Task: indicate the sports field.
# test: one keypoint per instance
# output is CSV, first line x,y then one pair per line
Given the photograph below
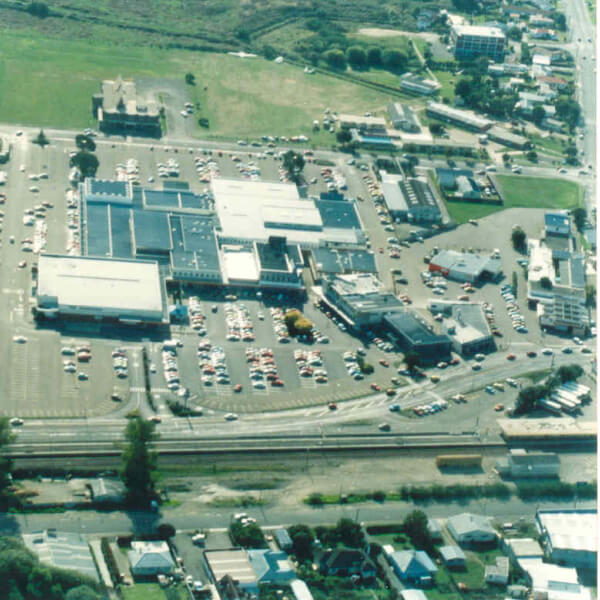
x,y
519,191
50,82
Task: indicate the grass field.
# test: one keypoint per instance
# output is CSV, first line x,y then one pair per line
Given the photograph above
x,y
539,192
242,97
550,144
522,192
447,81
148,591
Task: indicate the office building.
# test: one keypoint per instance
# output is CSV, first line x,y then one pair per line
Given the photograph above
x,y
409,199
119,109
471,41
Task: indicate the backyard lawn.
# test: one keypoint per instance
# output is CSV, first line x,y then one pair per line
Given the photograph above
x,y
240,97
143,591
461,212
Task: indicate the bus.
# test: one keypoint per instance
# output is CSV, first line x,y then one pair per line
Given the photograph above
x,y
550,406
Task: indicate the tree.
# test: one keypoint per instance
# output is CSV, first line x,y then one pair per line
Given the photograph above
x,y
39,582
463,88
293,163
248,535
415,526
6,437
569,372
436,129
86,162
41,139
560,21
579,217
335,59
515,34
468,6
190,79
302,539
139,461
527,398
412,361
350,533
538,114
568,110
269,52
13,591
506,158
374,56
518,238
343,136
515,284
85,142
81,592
394,60
532,156
590,295
38,9
356,56
525,53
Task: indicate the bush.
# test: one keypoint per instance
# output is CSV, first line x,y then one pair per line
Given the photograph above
x,y
379,496
248,536
315,499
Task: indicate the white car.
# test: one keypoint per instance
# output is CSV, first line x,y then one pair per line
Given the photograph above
x,y
34,188
577,341
16,422
231,417
19,339
547,351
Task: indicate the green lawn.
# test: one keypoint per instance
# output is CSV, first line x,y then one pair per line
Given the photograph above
x,y
461,212
145,591
550,143
539,192
447,81
50,82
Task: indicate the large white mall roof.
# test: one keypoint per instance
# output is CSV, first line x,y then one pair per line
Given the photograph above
x,y
103,286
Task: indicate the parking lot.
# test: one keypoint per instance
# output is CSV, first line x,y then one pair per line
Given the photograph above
x,y
35,384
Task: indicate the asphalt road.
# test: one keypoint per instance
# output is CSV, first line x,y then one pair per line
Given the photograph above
x,y
189,517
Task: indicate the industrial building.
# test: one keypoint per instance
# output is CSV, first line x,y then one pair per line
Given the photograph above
x,y
119,109
522,463
471,41
327,261
366,125
256,210
415,84
62,550
373,141
457,116
507,138
360,298
557,222
403,117
409,199
464,266
100,289
413,334
556,286
233,564
465,324
569,537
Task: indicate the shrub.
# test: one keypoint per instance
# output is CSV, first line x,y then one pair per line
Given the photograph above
x,y
315,499
379,496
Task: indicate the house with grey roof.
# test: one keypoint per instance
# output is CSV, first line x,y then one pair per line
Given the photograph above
x,y
497,573
403,117
106,491
467,528
413,566
284,541
271,566
150,559
452,556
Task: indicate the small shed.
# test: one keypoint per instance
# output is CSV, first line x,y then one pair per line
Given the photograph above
x,y
453,557
284,541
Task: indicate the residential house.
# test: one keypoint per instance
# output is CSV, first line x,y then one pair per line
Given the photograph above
x,y
435,530
344,562
106,491
413,566
498,573
540,21
424,19
150,559
519,548
413,595
468,528
453,557
271,566
541,33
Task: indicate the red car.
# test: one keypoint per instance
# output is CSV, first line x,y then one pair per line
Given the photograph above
x,y
455,361
332,406
532,354
383,362
277,383
375,387
511,357
238,388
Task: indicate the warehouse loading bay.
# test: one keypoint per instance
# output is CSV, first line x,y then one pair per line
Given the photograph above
x,y
35,384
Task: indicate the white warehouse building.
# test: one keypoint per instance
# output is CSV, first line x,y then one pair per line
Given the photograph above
x,y
99,289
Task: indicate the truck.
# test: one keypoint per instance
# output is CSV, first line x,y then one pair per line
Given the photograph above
x,y
565,405
172,344
458,460
550,406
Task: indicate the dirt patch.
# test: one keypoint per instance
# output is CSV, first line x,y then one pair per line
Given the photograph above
x,y
378,32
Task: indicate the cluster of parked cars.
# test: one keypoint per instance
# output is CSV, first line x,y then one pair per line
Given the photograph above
x,y
168,169
196,315
170,368
518,320
352,365
262,368
188,109
281,330
211,360
383,345
238,322
83,354
128,171
120,362
430,409
310,364
73,242
206,169
249,170
488,311
334,179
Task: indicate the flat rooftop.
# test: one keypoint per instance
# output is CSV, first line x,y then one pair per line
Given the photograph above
x,y
406,323
478,30
571,529
234,563
90,283
331,260
564,427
